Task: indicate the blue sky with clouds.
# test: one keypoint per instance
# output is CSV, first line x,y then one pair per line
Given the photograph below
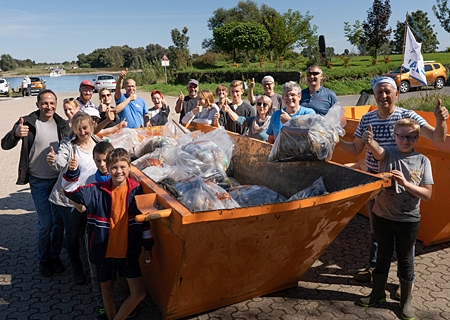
x,y
56,31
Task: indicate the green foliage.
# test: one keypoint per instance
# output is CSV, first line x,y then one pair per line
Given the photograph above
x,y
7,62
243,36
354,34
375,28
180,50
420,22
426,101
442,13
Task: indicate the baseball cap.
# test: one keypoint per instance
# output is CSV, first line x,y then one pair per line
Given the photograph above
x,y
193,81
87,83
92,112
268,79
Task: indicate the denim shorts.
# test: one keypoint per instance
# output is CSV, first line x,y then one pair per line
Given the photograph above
x,y
127,269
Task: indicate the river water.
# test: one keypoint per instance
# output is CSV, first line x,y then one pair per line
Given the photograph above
x,y
65,83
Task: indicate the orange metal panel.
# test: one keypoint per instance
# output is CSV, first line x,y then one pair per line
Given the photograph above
x,y
206,260
435,220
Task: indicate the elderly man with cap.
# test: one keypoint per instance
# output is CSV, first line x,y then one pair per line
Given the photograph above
x,y
383,121
268,84
84,100
186,104
129,106
315,96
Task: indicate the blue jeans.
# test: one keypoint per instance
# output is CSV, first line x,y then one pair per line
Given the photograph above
x,y
71,220
50,227
401,236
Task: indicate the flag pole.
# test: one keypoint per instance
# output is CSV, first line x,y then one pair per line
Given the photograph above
x,y
403,54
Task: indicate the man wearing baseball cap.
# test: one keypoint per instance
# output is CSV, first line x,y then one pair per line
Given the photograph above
x,y
268,84
186,104
86,89
383,121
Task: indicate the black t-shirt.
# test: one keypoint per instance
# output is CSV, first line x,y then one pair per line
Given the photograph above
x,y
188,104
245,110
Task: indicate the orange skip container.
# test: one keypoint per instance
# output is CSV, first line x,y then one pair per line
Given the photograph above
x,y
435,219
206,260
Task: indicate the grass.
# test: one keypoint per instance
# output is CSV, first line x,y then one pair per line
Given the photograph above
x,y
426,101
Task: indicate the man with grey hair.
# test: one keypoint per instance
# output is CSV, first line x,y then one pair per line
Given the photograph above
x,y
383,121
268,84
315,96
291,98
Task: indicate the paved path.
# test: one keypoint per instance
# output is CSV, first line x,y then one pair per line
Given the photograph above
x,y
326,291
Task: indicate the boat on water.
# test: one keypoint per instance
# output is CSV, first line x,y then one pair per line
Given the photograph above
x,y
57,73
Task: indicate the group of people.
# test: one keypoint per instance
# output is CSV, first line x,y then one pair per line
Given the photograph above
x,y
79,183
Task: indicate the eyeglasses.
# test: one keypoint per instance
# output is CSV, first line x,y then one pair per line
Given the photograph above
x,y
105,95
68,99
267,84
309,74
290,95
259,104
409,138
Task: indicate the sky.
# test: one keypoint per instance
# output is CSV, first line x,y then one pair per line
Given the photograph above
x,y
57,31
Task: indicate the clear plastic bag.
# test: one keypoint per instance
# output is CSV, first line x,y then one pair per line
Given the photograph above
x,y
316,189
253,195
309,136
198,195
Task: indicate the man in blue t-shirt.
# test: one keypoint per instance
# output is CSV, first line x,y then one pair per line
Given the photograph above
x,y
315,96
129,106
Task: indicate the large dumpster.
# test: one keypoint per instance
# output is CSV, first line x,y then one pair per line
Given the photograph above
x,y
205,260
435,220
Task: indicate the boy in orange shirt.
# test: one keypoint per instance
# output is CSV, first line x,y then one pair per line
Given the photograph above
x,y
116,238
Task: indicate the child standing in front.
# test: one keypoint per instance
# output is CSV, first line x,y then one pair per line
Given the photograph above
x,y
116,237
397,210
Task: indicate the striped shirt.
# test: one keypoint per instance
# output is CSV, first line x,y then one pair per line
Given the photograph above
x,y
383,130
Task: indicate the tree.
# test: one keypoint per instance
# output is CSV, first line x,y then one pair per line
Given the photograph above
x,y
375,28
354,34
180,50
243,36
7,62
155,52
442,13
424,33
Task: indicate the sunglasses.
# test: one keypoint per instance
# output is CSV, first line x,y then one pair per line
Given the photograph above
x,y
403,138
105,95
68,99
259,104
313,74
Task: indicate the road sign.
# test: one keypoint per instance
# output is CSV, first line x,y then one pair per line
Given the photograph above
x,y
165,64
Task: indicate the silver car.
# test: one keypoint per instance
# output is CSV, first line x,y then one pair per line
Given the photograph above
x,y
4,87
104,81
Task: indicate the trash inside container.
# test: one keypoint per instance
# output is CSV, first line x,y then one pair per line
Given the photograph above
x,y
435,215
206,260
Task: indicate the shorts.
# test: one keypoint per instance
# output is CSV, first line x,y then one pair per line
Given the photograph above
x,y
127,269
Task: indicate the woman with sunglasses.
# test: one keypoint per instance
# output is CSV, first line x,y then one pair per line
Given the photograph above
x,y
79,146
257,124
316,97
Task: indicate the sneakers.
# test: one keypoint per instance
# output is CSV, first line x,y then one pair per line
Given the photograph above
x,y
364,275
78,276
46,268
101,313
58,266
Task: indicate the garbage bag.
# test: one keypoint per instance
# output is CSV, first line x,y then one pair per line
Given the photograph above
x,y
316,189
254,195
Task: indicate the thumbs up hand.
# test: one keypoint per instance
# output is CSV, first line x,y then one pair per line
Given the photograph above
x,y
440,112
21,130
284,117
367,136
73,163
51,156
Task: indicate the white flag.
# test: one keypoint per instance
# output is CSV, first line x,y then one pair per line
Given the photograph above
x,y
413,60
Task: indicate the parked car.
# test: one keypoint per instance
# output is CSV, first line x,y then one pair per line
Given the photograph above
x,y
104,81
4,87
435,72
37,85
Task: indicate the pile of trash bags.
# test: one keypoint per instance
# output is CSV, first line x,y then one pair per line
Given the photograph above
x,y
193,168
309,137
